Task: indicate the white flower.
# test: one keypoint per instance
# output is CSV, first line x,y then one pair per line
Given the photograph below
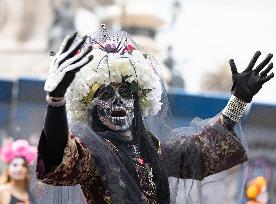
x,y
109,67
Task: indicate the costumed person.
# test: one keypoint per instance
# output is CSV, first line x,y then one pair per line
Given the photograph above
x,y
14,181
119,144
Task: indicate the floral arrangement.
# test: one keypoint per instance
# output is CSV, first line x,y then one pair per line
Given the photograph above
x,y
18,148
129,65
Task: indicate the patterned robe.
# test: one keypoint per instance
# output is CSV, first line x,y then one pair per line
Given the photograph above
x,y
214,149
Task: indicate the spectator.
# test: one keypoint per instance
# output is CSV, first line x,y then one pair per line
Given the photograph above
x,y
15,177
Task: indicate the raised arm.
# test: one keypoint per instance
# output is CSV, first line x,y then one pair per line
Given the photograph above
x,y
62,71
216,147
247,84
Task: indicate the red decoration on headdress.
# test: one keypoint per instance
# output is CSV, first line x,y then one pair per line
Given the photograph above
x,y
129,48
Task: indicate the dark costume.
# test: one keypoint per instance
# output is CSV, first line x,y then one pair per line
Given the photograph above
x,y
214,151
110,167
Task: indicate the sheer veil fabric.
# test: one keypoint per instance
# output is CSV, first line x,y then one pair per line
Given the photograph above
x,y
180,148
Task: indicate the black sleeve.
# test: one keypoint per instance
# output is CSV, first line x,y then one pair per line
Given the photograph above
x,y
56,133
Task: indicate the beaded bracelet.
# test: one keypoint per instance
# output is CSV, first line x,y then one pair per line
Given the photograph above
x,y
55,101
234,108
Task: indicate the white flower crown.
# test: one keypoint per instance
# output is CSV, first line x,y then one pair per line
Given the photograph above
x,y
128,65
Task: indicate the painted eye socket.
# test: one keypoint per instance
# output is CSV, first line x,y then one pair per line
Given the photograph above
x,y
125,91
107,93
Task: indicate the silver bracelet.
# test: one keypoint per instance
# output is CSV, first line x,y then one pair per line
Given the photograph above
x,y
53,103
234,108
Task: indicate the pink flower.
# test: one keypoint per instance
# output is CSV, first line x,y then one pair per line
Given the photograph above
x,y
18,148
30,155
6,153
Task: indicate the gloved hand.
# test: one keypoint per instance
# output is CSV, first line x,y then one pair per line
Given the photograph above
x,y
70,58
248,83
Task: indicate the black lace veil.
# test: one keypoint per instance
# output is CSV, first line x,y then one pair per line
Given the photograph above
x,y
178,152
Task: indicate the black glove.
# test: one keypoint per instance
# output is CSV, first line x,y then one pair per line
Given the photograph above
x,y
67,62
248,83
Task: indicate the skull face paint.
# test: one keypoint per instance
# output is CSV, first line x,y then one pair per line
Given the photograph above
x,y
116,106
18,169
